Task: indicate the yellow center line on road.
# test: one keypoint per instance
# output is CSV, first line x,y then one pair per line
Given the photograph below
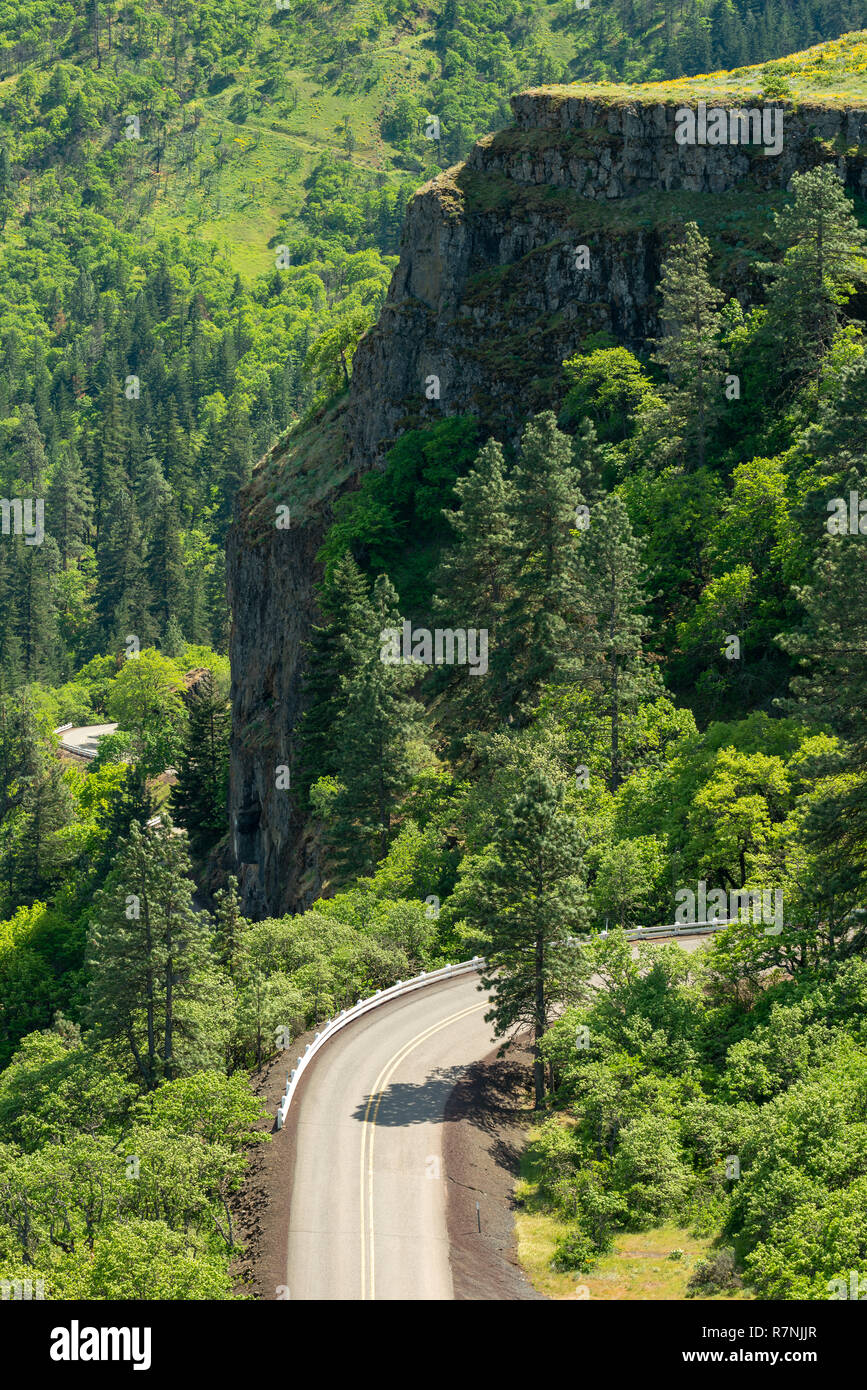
x,y
368,1130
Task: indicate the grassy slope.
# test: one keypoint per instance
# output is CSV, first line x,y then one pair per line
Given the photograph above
x,y
257,186
832,74
246,200
637,1268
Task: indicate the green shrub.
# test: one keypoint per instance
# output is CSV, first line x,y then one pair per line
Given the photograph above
x,y
574,1251
718,1274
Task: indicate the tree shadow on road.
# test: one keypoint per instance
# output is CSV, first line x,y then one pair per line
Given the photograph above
x,y
411,1103
485,1095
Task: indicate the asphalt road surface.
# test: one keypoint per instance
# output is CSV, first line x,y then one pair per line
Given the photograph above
x,y
368,1213
368,1207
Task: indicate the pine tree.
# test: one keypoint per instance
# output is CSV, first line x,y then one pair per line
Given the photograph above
x,y
614,664
200,795
69,505
36,806
335,651
589,461
29,454
817,274
11,674
123,595
832,645
150,485
19,749
475,580
39,854
519,902
7,186
174,642
229,927
151,972
33,601
541,633
690,345
696,44
375,729
109,453
178,456
235,464
838,440
165,562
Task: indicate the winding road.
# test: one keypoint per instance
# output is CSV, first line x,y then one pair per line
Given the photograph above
x,y
368,1207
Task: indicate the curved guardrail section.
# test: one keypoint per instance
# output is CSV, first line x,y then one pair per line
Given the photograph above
x,y
432,977
364,1006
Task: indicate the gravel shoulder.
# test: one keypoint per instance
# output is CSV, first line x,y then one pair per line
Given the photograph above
x,y
487,1116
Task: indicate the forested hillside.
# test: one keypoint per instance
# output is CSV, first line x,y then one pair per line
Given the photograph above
x,y
148,157
655,682
651,709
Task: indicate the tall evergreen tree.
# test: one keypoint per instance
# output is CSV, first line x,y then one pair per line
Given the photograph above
x,y
476,577
32,588
229,927
29,455
689,347
336,649
69,505
375,729
123,595
831,646
110,452
817,275
542,629
151,972
614,664
36,807
11,672
40,853
519,902
200,795
165,562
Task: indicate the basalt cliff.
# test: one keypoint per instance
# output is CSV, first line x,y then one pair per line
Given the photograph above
x,y
491,293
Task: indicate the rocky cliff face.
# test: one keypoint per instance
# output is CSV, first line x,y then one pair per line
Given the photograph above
x,y
553,230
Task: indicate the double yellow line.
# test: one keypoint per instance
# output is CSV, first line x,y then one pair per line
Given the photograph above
x,y
368,1132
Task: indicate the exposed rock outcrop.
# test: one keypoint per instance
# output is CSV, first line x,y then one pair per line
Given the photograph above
x,y
487,300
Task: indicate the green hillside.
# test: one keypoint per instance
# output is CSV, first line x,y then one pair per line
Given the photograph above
x,y
259,122
200,209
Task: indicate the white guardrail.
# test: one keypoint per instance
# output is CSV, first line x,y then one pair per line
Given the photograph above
x,y
433,977
364,1006
694,929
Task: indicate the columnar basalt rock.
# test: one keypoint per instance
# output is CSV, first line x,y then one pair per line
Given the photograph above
x,y
630,147
487,298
